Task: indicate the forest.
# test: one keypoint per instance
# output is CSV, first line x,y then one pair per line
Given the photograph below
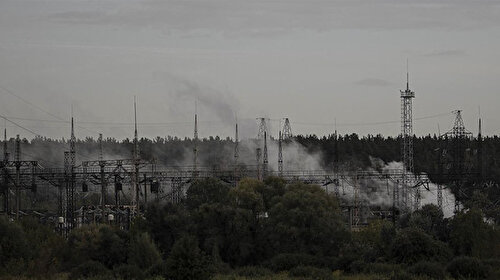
x,y
271,229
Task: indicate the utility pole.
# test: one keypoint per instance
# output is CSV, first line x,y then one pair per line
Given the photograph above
x,y
18,175
71,182
136,161
195,142
101,156
258,156
265,161
6,190
480,153
236,152
280,154
407,145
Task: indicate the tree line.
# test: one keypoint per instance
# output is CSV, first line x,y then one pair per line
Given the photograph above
x,y
270,228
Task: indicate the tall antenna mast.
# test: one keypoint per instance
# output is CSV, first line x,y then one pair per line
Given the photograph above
x,y
195,149
236,152
280,154
265,159
5,147
236,145
135,200
136,140
407,144
480,151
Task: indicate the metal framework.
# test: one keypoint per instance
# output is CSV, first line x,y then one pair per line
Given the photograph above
x,y
407,148
287,129
280,155
455,166
262,127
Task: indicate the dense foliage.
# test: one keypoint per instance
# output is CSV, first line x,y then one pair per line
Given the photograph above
x,y
254,230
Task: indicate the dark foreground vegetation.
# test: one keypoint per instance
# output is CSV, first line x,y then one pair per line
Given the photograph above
x,y
258,230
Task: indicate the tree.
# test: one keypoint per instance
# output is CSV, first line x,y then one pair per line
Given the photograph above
x,y
14,248
167,224
306,220
143,252
187,261
471,236
412,245
99,243
207,190
429,219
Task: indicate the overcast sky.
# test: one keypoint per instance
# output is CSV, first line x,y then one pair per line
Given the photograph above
x,y
315,62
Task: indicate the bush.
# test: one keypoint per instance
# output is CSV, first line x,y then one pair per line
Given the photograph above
x,y
143,252
128,272
311,272
14,246
381,268
432,270
467,267
253,271
413,245
89,269
400,275
159,269
187,261
284,262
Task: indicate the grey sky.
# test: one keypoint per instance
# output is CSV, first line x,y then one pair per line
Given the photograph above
x,y
311,61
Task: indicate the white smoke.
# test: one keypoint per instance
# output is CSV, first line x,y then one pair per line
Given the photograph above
x,y
375,191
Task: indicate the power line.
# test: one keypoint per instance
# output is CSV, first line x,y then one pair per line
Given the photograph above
x,y
40,108
32,132
28,102
20,126
370,123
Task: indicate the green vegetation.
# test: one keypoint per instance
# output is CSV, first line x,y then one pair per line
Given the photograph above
x,y
257,230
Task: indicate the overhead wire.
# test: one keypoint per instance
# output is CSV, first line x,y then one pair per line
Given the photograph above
x,y
4,89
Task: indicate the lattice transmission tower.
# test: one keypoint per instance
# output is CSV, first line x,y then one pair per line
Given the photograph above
x,y
407,147
287,129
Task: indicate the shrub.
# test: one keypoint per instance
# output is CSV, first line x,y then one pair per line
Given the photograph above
x,y
159,269
253,271
413,245
400,275
143,252
128,272
187,261
311,272
432,270
381,268
14,246
284,262
467,267
89,269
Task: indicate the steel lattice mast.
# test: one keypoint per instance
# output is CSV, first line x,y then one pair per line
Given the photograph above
x,y
236,151
287,129
280,154
407,146
135,201
195,140
5,174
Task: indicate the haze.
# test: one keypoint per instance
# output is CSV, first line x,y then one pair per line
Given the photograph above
x,y
316,62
